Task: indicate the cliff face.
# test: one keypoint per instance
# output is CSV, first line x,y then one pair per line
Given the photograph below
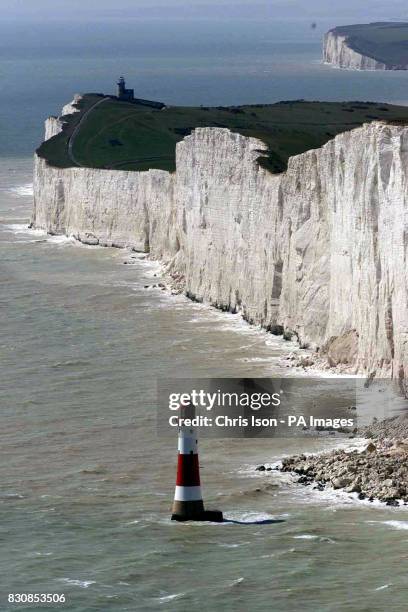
x,y
53,125
320,249
109,208
337,52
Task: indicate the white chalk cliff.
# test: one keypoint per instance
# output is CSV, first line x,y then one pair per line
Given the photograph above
x,y
54,125
338,52
320,249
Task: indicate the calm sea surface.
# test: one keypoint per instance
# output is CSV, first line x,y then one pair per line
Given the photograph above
x,y
85,483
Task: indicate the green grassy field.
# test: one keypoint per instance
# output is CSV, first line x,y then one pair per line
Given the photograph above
x,y
129,136
385,42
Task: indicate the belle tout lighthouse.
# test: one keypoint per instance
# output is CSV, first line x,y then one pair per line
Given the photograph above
x,y
122,92
188,499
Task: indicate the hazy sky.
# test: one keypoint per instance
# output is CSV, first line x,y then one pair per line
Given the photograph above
x,y
59,10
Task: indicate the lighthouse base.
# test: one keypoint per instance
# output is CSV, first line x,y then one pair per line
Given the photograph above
x,y
212,516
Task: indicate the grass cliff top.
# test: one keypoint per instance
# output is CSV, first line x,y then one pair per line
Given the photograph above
x,y
108,133
383,41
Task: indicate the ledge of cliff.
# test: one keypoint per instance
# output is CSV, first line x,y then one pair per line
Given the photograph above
x,y
107,133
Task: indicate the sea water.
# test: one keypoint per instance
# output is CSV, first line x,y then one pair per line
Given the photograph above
x,y
85,482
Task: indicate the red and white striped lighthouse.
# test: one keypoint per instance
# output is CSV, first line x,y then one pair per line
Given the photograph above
x,y
188,500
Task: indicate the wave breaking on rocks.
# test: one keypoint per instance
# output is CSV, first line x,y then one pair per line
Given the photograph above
x,y
379,472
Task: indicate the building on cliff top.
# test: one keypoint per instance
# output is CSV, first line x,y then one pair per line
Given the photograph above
x,y
122,92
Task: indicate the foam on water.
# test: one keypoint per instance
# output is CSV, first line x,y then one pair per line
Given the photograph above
x,y
19,229
252,517
334,499
237,581
399,525
172,597
65,241
224,545
22,228
384,586
11,496
25,190
310,537
83,584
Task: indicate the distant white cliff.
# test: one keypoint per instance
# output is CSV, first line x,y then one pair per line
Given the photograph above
x,y
319,250
336,51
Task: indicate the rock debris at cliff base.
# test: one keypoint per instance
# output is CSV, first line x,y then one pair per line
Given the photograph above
x,y
380,472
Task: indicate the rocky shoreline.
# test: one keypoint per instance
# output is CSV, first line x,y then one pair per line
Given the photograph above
x,y
379,472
